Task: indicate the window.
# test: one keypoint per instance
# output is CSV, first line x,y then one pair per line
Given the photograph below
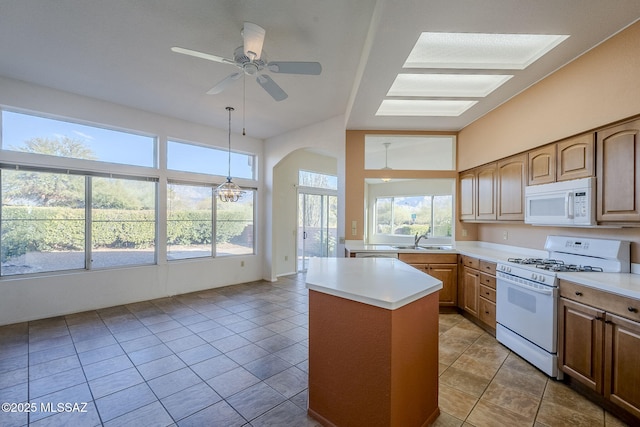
x,y
212,161
317,180
235,226
189,221
43,222
414,214
123,225
409,152
33,134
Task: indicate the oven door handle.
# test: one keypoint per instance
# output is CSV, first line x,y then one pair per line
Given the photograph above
x,y
529,288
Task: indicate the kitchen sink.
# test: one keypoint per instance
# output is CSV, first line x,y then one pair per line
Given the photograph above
x,y
425,248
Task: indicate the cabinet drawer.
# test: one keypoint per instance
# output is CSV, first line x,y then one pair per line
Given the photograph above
x,y
416,258
470,262
488,267
487,280
488,293
616,304
487,312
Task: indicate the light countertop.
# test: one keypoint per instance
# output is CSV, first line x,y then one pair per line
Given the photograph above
x,y
625,284
382,282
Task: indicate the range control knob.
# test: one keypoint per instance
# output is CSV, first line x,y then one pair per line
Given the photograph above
x,y
542,278
534,276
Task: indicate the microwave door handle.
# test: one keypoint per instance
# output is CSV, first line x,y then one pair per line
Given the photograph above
x,y
570,205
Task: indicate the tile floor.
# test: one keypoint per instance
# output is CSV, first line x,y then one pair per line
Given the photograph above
x,y
237,356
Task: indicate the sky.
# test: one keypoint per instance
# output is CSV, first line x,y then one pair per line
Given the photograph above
x,y
121,147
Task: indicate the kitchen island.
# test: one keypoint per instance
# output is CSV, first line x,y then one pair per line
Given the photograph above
x,y
373,343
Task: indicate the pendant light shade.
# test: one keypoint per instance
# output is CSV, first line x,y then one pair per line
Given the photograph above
x,y
229,191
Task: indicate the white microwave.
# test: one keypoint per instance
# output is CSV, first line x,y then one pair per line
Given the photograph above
x,y
561,203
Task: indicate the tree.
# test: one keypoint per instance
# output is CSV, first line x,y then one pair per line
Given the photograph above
x,y
44,188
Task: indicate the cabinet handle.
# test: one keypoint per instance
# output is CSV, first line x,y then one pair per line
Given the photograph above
x,y
598,318
608,322
486,312
578,293
632,309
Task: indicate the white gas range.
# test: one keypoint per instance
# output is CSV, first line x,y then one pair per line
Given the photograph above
x,y
527,293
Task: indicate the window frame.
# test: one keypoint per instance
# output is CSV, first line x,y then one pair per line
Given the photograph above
x,y
394,225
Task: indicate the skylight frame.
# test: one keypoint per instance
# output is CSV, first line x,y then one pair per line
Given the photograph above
x,y
446,85
424,107
460,50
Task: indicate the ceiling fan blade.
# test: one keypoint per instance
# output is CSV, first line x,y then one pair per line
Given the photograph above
x,y
202,55
310,68
253,36
223,84
271,87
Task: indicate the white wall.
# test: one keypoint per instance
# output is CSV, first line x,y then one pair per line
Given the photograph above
x,y
328,136
285,196
28,298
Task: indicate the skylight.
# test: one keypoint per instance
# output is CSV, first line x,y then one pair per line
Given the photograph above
x,y
480,50
423,107
446,85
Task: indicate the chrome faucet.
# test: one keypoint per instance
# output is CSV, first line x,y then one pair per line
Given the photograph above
x,y
418,238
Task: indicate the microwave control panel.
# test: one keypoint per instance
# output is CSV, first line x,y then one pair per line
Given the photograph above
x,y
580,204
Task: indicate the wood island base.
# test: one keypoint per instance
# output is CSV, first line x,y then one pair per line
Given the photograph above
x,y
371,366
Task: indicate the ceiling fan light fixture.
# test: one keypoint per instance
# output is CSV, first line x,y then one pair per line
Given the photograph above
x,y
229,191
253,39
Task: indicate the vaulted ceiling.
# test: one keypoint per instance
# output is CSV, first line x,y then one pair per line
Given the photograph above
x,y
119,51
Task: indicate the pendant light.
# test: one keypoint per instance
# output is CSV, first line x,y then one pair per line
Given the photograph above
x,y
229,191
386,155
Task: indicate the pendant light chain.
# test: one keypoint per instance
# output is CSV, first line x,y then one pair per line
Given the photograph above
x,y
229,109
229,191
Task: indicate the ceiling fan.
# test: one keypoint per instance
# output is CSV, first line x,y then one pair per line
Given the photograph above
x,y
251,61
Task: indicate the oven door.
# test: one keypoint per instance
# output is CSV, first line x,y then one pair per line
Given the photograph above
x,y
528,309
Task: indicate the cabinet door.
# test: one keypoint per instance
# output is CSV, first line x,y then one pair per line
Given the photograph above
x,y
618,160
486,192
580,330
487,312
511,180
576,157
622,363
467,182
471,284
542,165
448,273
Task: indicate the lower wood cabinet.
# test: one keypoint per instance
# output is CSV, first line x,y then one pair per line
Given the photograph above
x,y
599,343
477,289
441,266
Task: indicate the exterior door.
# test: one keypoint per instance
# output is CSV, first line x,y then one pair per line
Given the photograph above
x,y
317,227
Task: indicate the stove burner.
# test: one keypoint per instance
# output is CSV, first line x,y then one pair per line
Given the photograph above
x,y
535,261
570,268
554,265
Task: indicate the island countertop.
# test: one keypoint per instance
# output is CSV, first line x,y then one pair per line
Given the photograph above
x,y
382,282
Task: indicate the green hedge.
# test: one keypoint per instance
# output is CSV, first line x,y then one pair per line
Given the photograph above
x,y
43,229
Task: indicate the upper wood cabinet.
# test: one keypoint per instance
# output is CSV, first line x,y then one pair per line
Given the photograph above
x,y
575,157
618,183
511,180
486,192
571,158
542,165
467,194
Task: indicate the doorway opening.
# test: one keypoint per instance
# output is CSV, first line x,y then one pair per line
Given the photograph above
x,y
317,230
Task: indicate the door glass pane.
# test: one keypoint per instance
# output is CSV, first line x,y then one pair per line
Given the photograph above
x,y
43,222
189,221
123,226
317,227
